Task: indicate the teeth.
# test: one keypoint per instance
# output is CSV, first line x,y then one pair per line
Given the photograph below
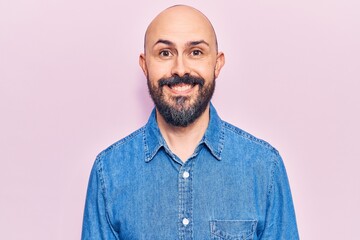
x,y
182,87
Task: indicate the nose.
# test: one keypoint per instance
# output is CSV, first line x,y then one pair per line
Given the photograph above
x,y
180,67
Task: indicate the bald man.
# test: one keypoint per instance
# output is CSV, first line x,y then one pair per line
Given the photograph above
x,y
187,174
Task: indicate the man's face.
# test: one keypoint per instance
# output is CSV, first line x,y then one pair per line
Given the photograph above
x,y
181,64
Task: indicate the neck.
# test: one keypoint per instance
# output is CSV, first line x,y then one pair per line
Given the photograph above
x,y
183,140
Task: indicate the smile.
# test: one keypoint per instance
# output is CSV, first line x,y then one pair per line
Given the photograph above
x,y
181,88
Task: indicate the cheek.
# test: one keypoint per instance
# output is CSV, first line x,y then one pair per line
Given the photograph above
x,y
206,71
158,70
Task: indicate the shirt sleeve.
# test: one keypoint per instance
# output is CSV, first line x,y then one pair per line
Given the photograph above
x,y
96,223
280,222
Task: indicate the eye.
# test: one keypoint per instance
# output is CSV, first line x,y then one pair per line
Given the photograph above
x,y
165,53
196,53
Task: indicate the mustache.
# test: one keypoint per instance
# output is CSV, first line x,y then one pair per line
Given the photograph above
x,y
186,79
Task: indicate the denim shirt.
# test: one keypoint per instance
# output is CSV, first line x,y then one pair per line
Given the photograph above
x,y
234,186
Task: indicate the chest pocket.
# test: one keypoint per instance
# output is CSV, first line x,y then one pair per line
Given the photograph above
x,y
232,229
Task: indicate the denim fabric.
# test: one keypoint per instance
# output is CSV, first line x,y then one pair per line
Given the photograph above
x,y
234,186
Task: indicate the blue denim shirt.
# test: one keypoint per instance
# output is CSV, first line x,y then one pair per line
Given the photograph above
x,y
234,186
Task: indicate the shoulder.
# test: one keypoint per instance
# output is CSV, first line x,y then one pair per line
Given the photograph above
x,y
258,156
245,143
129,145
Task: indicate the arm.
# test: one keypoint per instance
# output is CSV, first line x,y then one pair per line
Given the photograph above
x,y
280,222
96,222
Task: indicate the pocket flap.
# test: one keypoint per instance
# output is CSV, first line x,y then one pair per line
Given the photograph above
x,y
233,229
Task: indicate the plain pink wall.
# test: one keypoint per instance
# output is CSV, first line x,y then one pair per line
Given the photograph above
x,y
70,85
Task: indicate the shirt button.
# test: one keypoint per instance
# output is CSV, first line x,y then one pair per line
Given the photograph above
x,y
185,221
186,175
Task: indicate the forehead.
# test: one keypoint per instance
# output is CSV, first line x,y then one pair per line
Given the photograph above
x,y
180,25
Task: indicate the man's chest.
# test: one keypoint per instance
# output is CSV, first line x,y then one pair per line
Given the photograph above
x,y
192,201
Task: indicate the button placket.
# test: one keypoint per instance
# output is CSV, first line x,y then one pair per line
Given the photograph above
x,y
185,201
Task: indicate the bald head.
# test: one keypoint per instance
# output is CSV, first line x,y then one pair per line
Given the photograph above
x,y
180,21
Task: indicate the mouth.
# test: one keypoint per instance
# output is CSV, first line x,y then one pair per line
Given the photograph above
x,y
185,85
181,88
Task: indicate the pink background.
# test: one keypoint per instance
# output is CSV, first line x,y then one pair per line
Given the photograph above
x,y
70,85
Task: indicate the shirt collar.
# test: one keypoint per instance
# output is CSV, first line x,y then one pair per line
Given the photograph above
x,y
213,137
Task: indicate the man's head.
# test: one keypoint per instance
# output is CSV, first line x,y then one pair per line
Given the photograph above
x,y
181,62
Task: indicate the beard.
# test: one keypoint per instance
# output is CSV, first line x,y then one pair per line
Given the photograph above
x,y
181,111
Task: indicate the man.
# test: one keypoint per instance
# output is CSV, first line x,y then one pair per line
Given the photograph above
x,y
187,174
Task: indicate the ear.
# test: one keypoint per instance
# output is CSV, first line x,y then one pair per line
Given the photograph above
x,y
220,61
142,63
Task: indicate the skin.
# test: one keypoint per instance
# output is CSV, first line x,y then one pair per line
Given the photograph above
x,y
179,41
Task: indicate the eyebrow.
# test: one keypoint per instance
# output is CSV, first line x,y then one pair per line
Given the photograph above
x,y
194,43
191,43
166,42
